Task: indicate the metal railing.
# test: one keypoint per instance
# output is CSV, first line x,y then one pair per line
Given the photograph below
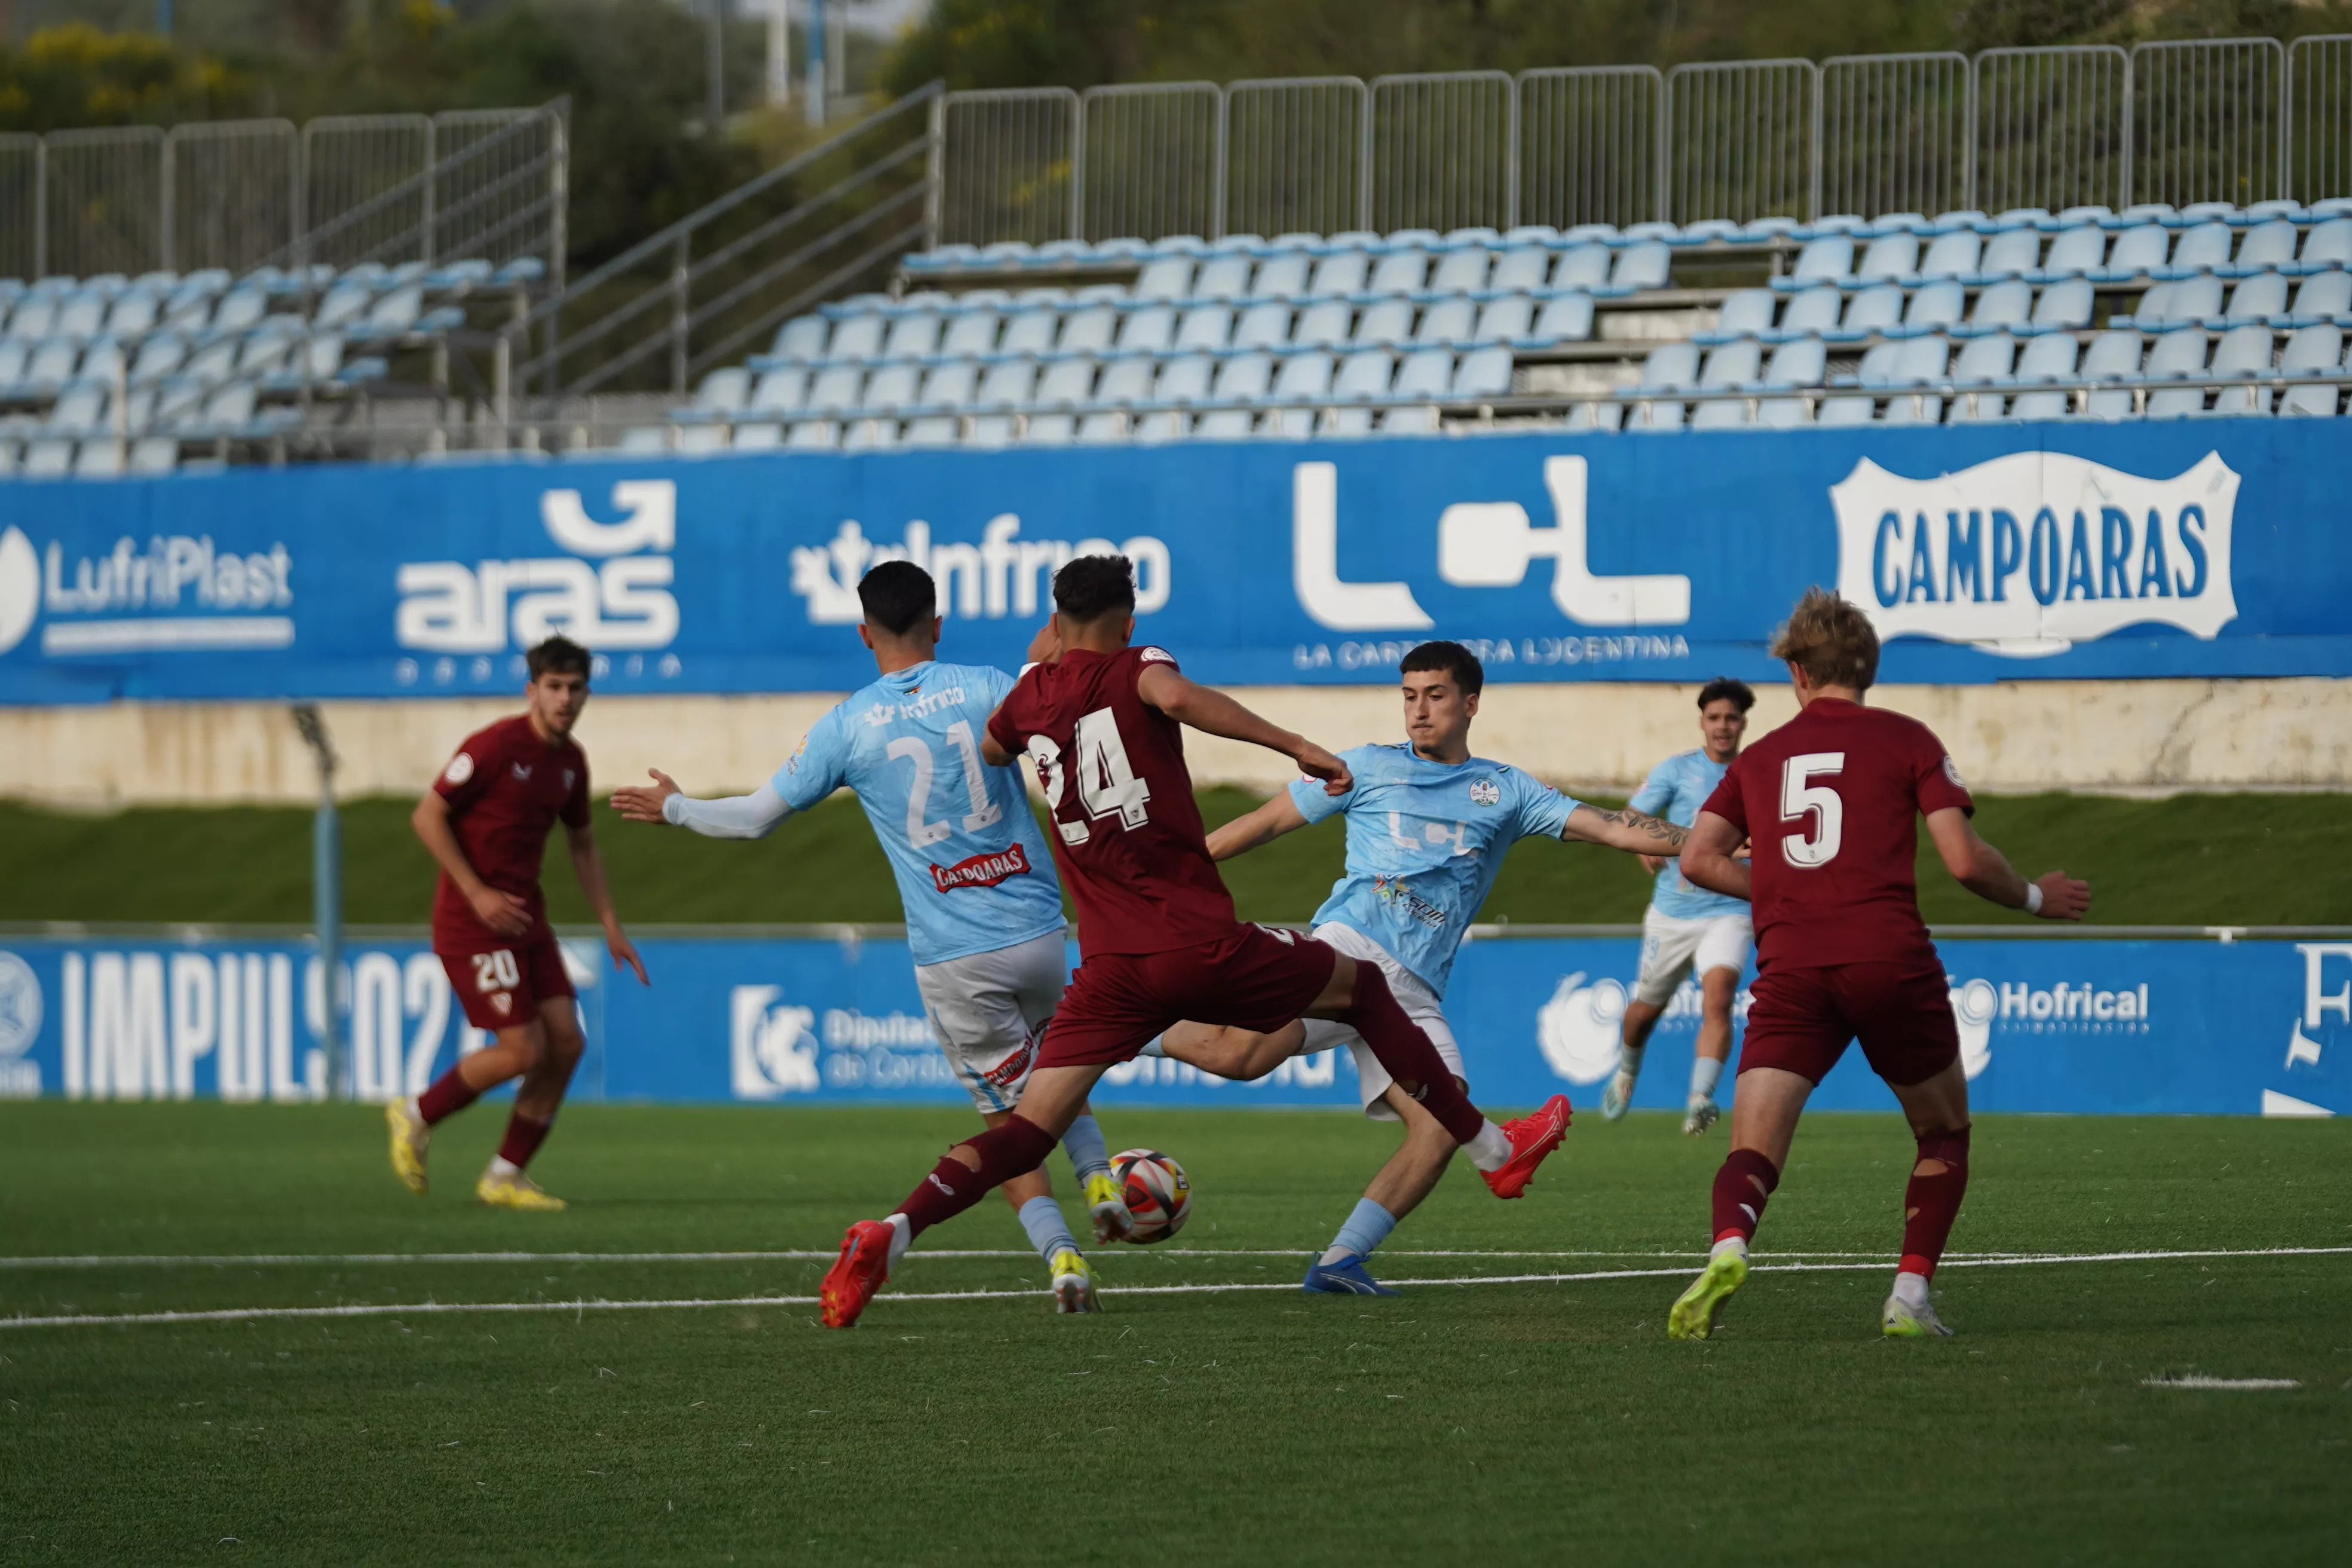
x,y
2235,119
241,193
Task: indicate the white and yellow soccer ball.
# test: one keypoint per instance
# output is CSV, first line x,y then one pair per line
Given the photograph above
x,y
1158,1193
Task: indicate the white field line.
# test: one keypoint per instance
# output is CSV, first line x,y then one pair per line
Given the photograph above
x,y
422,1308
2224,1384
226,1259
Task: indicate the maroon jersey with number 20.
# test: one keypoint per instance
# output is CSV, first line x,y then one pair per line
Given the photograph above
x,y
1127,834
1830,803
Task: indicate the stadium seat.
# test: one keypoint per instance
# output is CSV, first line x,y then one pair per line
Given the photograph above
x,y
1364,377
1388,320
2202,248
1282,277
1735,364
2114,355
2311,350
1744,314
1151,330
1009,385
2002,306
2321,295
1226,278
2256,299
1952,255
2012,253
1988,358
2075,252
1207,328
1165,277
1304,378
1674,365
1507,319
1447,321
2242,350
1918,361
1340,272
1248,377
2138,250
1565,317
1528,266
1874,309
2176,353
1402,270
1890,255
1934,307
1264,326
1461,271
803,337
1641,267
1811,312
1483,372
2064,305
2266,245
973,329
1827,257
1876,371
1797,362
2328,244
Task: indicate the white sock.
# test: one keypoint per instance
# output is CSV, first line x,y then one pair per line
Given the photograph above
x,y
1705,1071
1629,1061
1491,1149
1737,1243
902,1236
502,1166
1911,1289
415,1107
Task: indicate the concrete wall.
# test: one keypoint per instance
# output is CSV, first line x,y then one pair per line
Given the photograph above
x,y
2145,735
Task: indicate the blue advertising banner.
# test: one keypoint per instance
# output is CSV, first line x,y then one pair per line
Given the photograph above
x,y
2088,1026
1986,552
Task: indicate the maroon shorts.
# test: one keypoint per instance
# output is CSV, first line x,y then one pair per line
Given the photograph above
x,y
1255,979
499,987
1800,1019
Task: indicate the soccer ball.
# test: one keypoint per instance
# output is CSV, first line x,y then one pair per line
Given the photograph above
x,y
1157,1192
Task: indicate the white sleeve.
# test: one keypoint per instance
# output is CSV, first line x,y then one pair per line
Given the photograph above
x,y
752,816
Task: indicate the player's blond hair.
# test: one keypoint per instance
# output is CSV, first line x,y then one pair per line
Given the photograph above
x,y
1830,640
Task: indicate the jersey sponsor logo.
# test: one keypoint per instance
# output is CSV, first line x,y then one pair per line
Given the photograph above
x,y
175,592
2028,554
1395,892
1485,792
1578,1030
611,590
1016,1066
985,869
460,768
881,713
1003,576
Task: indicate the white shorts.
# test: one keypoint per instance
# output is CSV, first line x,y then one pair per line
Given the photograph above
x,y
1420,1005
1673,948
989,1010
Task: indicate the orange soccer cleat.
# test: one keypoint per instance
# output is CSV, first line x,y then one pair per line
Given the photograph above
x,y
857,1274
1532,1137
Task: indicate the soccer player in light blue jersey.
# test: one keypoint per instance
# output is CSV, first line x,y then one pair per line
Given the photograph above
x,y
1428,826
983,906
1688,928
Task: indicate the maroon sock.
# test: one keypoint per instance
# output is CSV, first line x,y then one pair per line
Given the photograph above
x,y
1741,1188
1016,1148
1930,1203
524,1135
449,1095
1408,1056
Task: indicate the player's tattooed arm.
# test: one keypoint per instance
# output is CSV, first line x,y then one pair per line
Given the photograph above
x,y
1637,832
1708,860
1212,712
1269,822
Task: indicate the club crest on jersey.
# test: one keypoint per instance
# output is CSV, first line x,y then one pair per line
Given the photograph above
x,y
2028,554
983,871
460,769
1485,791
522,771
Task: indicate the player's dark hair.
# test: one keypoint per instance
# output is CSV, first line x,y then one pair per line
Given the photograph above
x,y
559,654
896,594
1093,586
1450,659
1829,640
1727,688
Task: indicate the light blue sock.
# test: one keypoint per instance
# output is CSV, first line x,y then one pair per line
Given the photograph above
x,y
1090,1155
1157,1046
1366,1228
1048,1232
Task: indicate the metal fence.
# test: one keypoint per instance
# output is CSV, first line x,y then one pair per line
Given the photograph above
x,y
2212,120
240,194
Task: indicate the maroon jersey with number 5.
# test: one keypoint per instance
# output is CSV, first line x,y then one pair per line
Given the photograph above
x,y
506,789
1830,803
1127,834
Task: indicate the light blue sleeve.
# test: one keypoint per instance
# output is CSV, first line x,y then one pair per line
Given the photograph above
x,y
1657,791
1315,802
817,764
1543,810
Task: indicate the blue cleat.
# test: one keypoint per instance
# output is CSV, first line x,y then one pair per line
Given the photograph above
x,y
1346,1277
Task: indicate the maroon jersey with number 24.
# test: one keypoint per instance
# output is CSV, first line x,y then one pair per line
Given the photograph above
x,y
1127,834
1830,803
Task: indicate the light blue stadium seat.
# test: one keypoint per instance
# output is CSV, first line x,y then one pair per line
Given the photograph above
x,y
101,458
1986,358
2311,350
1581,267
1366,374
1326,323
1934,307
1733,364
1090,330
53,363
346,303
2266,245
2139,249
1066,382
1009,385
1124,380
2328,243
1827,257
1483,372
1447,321
1340,272
2114,355
2322,294
160,354
1874,309
2079,250
1668,367
2002,305
1648,265
83,312
836,387
972,329
892,388
1208,327
1388,320
102,361
913,335
2063,304
1264,326
1564,319
1507,319
134,312
1952,255
949,386
1919,362
811,435
857,337
154,455
2256,299
803,337
1745,313
781,391
1400,271
872,434
2195,298
1222,278
1281,276
50,457
1811,312
1183,380
2242,350
1874,374
14,354
1895,255
1150,329
2178,353
1243,377
1425,372
2204,247
694,440
1461,271
2049,357
2011,251
79,407
1800,362
212,363
1165,277
724,391
1528,266
1303,377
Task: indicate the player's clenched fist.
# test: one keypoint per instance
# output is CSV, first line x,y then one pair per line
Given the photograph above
x,y
1317,764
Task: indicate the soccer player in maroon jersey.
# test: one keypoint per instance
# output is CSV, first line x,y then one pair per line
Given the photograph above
x,y
1828,801
1102,721
486,820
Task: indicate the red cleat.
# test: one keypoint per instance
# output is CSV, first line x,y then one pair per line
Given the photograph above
x,y
1532,1137
857,1273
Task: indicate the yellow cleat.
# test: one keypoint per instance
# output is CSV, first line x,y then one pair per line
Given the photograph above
x,y
1106,1202
411,1136
1074,1284
515,1191
1692,1317
1900,1320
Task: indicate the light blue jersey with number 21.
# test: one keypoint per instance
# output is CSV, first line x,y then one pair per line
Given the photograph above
x,y
972,869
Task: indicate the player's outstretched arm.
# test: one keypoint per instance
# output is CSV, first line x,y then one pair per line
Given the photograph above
x,y
1635,832
589,867
500,911
1709,859
753,816
1212,712
1269,822
1986,872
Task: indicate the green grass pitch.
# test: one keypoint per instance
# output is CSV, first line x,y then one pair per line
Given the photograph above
x,y
1483,1422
